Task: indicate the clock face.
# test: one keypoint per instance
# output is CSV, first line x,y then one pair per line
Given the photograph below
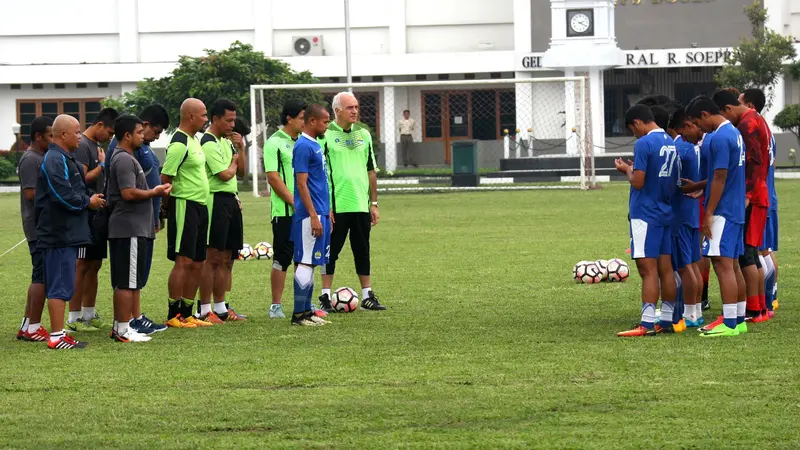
x,y
580,23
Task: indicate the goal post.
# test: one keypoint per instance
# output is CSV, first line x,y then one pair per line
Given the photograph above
x,y
538,129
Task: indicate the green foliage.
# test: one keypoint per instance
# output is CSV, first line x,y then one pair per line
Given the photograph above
x,y
758,60
7,168
220,74
789,120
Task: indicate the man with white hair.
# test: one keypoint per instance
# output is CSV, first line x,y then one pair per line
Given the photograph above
x,y
354,193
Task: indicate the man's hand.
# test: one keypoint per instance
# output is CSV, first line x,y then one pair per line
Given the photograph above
x,y
746,202
162,190
707,222
373,214
237,141
97,202
621,166
316,226
333,221
101,155
157,229
688,186
696,194
241,208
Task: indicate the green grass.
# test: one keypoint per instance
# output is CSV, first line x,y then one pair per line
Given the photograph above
x,y
487,344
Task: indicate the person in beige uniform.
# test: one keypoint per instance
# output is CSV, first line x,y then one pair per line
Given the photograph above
x,y
407,126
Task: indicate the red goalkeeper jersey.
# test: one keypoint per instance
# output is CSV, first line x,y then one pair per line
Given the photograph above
x,y
755,134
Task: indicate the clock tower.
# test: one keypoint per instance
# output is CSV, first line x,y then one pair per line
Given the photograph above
x,y
584,41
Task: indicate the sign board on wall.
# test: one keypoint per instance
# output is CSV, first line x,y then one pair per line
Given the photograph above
x,y
692,57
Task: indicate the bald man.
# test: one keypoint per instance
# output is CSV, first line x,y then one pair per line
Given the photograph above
x,y
187,214
62,224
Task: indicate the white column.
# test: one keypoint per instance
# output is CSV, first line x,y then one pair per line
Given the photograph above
x,y
128,25
524,107
569,113
397,27
389,127
262,33
778,100
597,144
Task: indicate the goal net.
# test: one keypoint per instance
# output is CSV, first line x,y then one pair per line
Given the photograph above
x,y
529,133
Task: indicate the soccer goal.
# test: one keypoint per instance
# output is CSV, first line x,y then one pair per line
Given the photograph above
x,y
533,133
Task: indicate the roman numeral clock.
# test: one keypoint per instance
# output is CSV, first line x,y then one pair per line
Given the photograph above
x,y
580,22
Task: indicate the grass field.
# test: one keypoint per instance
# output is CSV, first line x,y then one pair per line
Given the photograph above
x,y
487,344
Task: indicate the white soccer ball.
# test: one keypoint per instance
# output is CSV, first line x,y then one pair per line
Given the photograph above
x,y
586,272
246,253
602,264
263,250
618,270
344,299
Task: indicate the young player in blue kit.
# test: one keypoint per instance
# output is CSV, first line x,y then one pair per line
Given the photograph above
x,y
653,178
723,224
311,226
686,251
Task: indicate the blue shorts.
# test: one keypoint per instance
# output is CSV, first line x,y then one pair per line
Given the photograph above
x,y
727,239
686,249
59,272
771,232
649,241
308,249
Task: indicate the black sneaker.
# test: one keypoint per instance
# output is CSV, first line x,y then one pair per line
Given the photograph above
x,y
371,302
706,305
304,319
325,303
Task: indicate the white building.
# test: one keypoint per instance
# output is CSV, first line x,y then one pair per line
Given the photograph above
x,y
64,57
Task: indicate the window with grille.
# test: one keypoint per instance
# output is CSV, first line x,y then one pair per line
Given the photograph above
x,y
480,114
85,110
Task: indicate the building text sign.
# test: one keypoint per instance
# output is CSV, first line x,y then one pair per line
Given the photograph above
x,y
658,2
689,57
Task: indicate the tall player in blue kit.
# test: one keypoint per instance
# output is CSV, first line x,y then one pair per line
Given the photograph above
x,y
311,226
686,249
723,224
755,99
653,177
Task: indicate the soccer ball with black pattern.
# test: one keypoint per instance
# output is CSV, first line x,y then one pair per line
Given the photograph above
x,y
602,264
246,253
618,270
344,299
263,250
586,272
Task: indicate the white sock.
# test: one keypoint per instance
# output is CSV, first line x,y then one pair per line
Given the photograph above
x,y
140,317
87,312
55,337
741,307
690,312
326,292
25,323
205,308
34,327
122,327
365,292
74,316
769,268
219,308
666,311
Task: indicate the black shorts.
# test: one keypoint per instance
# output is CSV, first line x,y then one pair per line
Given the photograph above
x,y
187,229
128,262
282,243
358,226
37,261
226,231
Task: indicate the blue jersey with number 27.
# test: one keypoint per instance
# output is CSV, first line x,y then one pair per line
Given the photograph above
x,y
656,156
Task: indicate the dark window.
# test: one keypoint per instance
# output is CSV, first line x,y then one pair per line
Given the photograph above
x,y
84,110
16,86
477,114
421,77
91,109
484,115
60,85
102,85
38,86
508,111
444,76
81,85
432,113
685,92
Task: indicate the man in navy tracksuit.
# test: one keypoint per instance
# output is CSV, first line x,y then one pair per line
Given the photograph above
x,y
62,225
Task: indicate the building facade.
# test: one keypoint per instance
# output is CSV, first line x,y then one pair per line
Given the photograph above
x,y
66,57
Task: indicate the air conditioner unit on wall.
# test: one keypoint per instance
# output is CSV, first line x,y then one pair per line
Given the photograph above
x,y
307,46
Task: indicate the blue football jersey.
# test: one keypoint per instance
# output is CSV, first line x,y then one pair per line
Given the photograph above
x,y
307,157
726,151
655,155
688,210
773,195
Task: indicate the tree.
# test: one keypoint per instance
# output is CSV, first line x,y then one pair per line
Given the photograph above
x,y
221,74
758,60
789,120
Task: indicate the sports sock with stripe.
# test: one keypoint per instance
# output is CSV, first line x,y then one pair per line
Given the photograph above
x,y
648,315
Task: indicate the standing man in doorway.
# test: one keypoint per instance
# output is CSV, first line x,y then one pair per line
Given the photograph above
x,y
82,315
354,194
407,127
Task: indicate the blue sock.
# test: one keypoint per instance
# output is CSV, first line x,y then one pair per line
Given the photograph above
x,y
677,313
309,297
769,282
302,296
648,315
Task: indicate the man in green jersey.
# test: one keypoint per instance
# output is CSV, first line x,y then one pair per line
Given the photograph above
x,y
354,196
225,232
187,232
278,165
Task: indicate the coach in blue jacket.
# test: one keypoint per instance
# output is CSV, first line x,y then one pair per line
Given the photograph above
x,y
62,223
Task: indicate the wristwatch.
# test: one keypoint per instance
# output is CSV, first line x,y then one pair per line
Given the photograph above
x,y
375,204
